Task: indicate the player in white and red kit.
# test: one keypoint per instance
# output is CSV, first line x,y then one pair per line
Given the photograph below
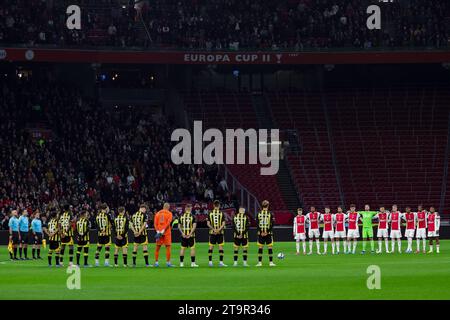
x,y
300,230
328,230
395,219
313,220
339,232
382,230
353,218
434,222
421,232
410,219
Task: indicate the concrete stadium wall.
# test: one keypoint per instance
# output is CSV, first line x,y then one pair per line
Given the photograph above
x,y
280,234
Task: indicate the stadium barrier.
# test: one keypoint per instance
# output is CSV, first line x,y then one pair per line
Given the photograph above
x,y
280,234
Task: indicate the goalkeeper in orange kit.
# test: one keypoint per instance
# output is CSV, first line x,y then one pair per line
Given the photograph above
x,y
163,222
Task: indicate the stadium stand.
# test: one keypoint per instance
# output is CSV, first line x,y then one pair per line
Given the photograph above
x,y
377,146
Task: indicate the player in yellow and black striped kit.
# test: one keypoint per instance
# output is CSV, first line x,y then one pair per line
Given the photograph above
x,y
241,224
138,226
216,225
187,225
104,224
265,221
52,229
83,237
66,220
121,226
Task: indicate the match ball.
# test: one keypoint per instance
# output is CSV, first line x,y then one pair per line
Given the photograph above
x,y
280,256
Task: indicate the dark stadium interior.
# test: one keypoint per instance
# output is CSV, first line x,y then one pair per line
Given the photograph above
x,y
82,133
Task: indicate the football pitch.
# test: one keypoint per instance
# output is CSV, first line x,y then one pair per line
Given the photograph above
x,y
403,276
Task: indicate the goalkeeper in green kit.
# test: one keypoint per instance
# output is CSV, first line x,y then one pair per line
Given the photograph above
x,y
367,230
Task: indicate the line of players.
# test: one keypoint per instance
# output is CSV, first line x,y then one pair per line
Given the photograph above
x,y
345,226
61,230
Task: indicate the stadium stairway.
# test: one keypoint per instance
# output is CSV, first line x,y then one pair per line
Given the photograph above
x,y
287,187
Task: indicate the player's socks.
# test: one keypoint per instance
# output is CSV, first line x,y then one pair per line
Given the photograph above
x,y
325,247
49,258
260,252
431,248
235,256
393,246
57,259
270,254
399,244
332,247
11,256
337,245
304,246
244,255
297,246
386,243
181,259
15,252
380,243
70,255
134,257
318,245
116,259
221,255
146,256
125,258
310,245
78,255
364,245
424,244
33,253
192,259
210,251
418,244
344,245
97,254
354,246
20,252
372,245
437,248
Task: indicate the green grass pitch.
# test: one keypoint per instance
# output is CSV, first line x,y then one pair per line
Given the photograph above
x,y
403,276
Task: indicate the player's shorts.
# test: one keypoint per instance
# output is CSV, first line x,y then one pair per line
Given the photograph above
x,y
421,233
15,237
241,242
382,233
83,243
328,234
265,240
37,239
409,233
432,234
141,239
353,233
23,237
367,232
396,234
188,242
121,243
104,240
300,236
216,239
54,245
313,233
340,234
68,240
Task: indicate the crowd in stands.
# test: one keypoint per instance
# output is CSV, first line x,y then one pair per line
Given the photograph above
x,y
227,24
91,155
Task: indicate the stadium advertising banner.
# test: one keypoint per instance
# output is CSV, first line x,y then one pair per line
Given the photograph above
x,y
231,58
